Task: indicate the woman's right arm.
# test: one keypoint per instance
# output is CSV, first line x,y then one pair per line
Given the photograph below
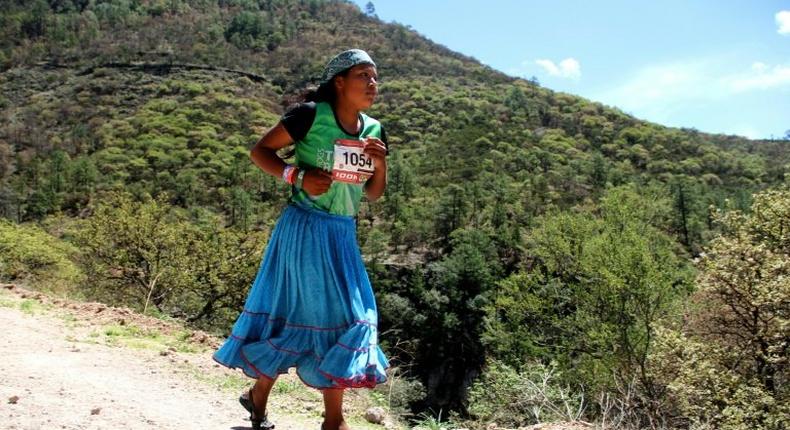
x,y
264,155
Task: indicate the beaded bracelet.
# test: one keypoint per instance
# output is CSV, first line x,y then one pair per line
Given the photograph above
x,y
300,178
289,174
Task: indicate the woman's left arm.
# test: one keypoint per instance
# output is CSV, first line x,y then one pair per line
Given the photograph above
x,y
376,149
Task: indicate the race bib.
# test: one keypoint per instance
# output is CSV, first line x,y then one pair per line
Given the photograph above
x,y
351,164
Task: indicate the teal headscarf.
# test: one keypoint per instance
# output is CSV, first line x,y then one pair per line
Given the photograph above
x,y
343,61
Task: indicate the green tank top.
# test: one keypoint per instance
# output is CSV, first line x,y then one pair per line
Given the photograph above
x,y
316,150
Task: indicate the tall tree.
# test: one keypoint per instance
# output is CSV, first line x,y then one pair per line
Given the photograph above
x,y
370,9
727,366
745,282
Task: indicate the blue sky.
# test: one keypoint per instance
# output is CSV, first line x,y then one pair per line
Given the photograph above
x,y
718,66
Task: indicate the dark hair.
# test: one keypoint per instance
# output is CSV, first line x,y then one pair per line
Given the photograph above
x,y
323,93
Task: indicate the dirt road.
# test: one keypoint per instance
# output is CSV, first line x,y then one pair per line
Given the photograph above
x,y
61,370
72,365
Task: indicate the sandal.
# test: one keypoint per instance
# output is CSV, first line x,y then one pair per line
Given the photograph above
x,y
257,423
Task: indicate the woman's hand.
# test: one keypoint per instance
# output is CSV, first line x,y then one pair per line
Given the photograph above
x,y
264,155
377,150
316,181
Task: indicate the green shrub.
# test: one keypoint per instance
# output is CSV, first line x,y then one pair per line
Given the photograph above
x,y
515,398
150,256
704,393
31,256
399,392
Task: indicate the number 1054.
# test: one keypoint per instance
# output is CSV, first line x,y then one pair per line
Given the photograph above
x,y
358,160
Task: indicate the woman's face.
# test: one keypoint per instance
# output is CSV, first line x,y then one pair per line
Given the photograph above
x,y
359,87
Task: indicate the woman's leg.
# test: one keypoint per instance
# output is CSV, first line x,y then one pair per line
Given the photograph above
x,y
333,410
260,395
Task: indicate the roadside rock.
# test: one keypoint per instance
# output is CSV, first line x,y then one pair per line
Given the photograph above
x,y
375,415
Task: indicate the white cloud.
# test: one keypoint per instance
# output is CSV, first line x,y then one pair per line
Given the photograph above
x,y
659,92
567,68
783,21
656,89
746,131
762,78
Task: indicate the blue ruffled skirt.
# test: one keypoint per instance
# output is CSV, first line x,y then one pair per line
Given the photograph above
x,y
311,306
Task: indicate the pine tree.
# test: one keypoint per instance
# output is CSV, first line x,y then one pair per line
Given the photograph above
x,y
370,9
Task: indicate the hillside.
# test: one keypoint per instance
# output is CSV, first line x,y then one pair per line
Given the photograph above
x,y
503,204
57,95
